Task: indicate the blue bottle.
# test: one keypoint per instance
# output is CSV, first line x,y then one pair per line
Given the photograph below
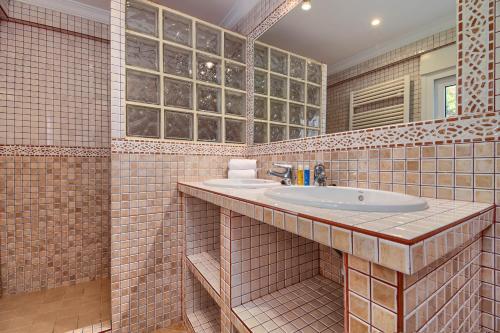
x,y
307,175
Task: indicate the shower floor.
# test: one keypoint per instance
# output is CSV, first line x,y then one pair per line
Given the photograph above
x,y
84,307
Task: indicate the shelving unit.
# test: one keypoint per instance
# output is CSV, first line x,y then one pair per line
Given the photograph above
x,y
208,265
206,320
313,305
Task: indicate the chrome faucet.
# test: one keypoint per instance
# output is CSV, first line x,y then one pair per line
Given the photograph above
x,y
286,176
319,175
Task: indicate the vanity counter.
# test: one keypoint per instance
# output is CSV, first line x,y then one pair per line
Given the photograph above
x,y
405,242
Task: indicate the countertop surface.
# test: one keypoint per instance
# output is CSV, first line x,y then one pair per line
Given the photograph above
x,y
406,227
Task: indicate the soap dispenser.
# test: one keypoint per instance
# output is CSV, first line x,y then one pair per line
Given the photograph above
x,y
300,174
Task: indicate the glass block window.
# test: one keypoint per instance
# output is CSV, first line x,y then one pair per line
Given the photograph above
x,y
185,79
288,92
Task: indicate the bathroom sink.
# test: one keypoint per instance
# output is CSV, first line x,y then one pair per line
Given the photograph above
x,y
241,183
347,198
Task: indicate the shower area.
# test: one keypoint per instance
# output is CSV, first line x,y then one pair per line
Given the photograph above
x,y
54,171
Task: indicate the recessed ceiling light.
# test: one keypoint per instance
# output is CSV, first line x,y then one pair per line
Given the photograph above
x,y
306,5
376,22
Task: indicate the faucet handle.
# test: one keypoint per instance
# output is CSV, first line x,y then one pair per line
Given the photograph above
x,y
283,165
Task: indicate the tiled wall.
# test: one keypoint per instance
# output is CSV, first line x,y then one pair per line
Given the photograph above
x,y
54,86
54,221
386,67
147,237
54,131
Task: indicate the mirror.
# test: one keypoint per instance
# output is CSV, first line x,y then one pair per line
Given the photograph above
x,y
343,66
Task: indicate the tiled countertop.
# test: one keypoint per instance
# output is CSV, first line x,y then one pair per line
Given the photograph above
x,y
395,240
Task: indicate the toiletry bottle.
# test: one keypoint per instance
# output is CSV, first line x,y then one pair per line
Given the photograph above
x,y
307,175
300,175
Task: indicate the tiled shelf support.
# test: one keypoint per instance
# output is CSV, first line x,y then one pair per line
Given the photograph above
x,y
207,264
205,320
313,305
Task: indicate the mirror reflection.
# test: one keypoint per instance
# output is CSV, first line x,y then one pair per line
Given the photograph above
x,y
342,66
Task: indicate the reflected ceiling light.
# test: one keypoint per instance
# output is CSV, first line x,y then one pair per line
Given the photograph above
x,y
209,64
376,22
306,5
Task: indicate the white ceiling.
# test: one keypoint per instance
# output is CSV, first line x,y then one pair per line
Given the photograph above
x,y
339,33
220,12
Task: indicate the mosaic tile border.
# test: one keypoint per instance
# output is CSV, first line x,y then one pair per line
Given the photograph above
x,y
462,129
22,150
123,146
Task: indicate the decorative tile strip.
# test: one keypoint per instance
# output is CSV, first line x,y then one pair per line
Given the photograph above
x,y
452,130
22,150
123,146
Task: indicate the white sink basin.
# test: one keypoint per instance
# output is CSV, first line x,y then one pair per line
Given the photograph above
x,y
241,183
347,198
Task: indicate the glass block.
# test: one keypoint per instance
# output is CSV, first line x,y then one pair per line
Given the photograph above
x,y
207,39
177,28
143,87
235,103
278,133
278,111
141,18
234,48
177,61
141,52
235,76
297,91
260,132
313,95
314,72
296,132
260,107
296,114
178,93
143,122
208,128
208,69
297,67
278,86
279,62
235,130
260,56
208,98
311,132
178,125
313,117
260,82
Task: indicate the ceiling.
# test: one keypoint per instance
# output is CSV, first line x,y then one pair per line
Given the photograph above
x,y
339,32
101,4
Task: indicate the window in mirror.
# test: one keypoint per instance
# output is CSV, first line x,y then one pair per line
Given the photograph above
x,y
260,108
284,99
278,111
445,94
181,84
260,82
297,67
278,86
450,93
278,133
260,132
261,55
279,62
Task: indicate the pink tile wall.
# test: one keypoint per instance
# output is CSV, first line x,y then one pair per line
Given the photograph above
x,y
54,221
54,198
54,87
146,235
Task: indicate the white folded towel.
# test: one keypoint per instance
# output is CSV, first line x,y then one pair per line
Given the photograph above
x,y
242,174
242,164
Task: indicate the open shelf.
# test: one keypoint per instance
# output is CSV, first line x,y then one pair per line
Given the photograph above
x,y
208,265
206,320
313,305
